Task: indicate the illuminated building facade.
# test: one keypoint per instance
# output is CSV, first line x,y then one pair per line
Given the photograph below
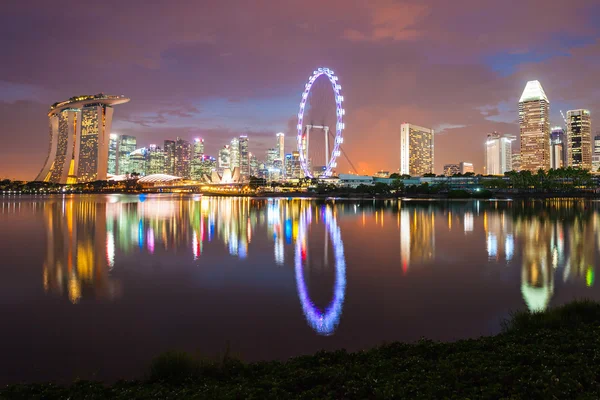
x,y
155,160
596,153
281,146
416,150
79,139
451,169
272,155
516,161
466,167
112,154
253,165
498,153
183,158
224,157
137,161
126,145
579,143
244,157
169,149
558,148
234,153
198,148
534,124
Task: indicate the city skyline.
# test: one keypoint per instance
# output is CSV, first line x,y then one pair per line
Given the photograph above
x,y
197,78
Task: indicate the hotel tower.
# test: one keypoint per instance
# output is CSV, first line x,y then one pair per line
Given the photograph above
x,y
79,139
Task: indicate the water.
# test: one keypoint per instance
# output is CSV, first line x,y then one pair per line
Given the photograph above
x,y
95,286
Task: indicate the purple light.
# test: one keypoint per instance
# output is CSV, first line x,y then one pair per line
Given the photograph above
x,y
339,112
325,322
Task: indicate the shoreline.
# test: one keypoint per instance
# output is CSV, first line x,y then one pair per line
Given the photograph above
x,y
539,355
335,196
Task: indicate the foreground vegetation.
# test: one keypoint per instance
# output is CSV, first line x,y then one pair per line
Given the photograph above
x,y
552,355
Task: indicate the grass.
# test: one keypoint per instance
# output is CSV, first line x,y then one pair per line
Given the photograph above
x,y
550,355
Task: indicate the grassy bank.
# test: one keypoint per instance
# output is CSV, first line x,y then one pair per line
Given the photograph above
x,y
553,355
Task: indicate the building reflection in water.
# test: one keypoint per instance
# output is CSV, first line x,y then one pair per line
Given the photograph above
x,y
79,252
417,235
324,323
88,236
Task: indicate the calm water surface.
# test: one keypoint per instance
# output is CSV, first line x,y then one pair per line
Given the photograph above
x,y
95,286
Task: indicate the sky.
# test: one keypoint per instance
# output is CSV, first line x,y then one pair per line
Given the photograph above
x,y
220,68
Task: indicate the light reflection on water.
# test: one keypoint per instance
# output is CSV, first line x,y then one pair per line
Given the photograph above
x,y
299,274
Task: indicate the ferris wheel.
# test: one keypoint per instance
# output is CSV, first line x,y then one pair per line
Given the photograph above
x,y
319,150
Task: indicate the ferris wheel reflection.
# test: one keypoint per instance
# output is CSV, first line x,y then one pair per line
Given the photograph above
x,y
323,322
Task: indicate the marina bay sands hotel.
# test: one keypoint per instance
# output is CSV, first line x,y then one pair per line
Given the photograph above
x,y
79,138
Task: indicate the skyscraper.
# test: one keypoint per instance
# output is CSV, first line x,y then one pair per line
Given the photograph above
x,y
198,148
281,146
558,148
224,157
169,149
126,145
579,143
498,153
416,150
272,155
137,161
79,139
183,158
234,153
156,160
534,123
112,154
253,165
244,157
596,153
516,161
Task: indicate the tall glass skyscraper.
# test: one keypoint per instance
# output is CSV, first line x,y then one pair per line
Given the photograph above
x,y
112,154
183,158
579,143
156,160
234,153
244,157
126,145
79,139
534,124
169,149
416,150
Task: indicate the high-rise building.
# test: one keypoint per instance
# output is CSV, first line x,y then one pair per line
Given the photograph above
x,y
126,145
253,165
79,139
596,153
466,167
244,157
272,155
112,154
498,153
198,148
169,149
156,160
534,123
183,158
416,150
224,157
137,161
558,148
281,146
234,153
579,143
451,169
516,161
